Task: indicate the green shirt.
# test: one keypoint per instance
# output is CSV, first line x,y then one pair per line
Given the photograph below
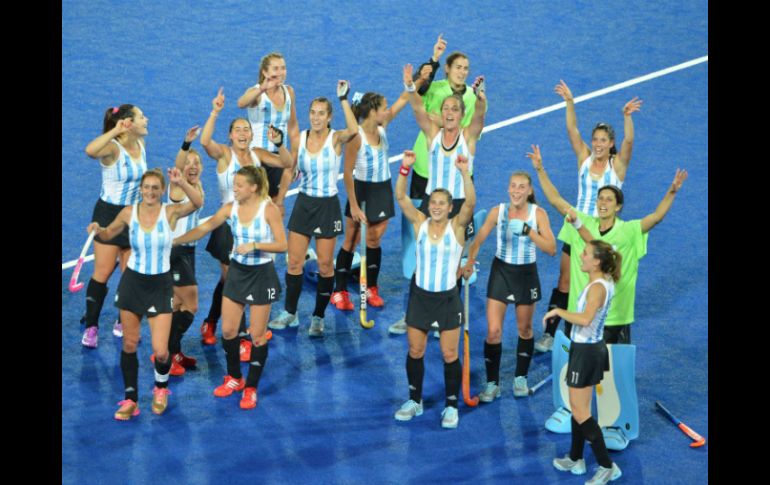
x,y
432,100
630,242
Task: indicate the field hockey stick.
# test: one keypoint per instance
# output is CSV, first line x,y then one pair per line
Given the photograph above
x,y
74,285
540,384
469,401
362,275
698,439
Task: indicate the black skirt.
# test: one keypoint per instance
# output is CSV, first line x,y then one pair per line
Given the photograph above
x,y
513,283
378,197
426,307
104,213
183,265
142,294
318,217
252,285
220,243
587,364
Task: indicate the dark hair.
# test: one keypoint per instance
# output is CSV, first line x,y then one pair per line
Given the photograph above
x,y
610,133
458,98
154,172
616,190
115,114
454,56
442,191
265,63
256,176
522,173
232,123
321,99
370,101
609,259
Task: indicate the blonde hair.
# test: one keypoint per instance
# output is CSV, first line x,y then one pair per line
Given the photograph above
x,y
265,63
256,176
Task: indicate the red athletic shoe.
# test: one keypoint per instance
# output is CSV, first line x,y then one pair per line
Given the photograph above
x,y
207,332
185,361
341,300
176,369
249,399
373,298
230,385
245,350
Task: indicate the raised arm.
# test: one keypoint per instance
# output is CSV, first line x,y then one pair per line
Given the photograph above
x,y
100,147
481,235
651,220
594,301
351,128
396,108
465,215
250,98
214,149
122,220
201,230
477,121
176,211
428,70
283,159
420,115
581,149
624,157
553,196
181,155
410,212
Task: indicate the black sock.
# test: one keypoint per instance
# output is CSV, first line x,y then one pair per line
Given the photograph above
x,y
180,322
415,370
161,372
342,270
558,300
293,289
452,377
129,367
524,349
232,356
593,433
95,294
492,353
323,294
216,303
257,365
243,333
578,441
373,259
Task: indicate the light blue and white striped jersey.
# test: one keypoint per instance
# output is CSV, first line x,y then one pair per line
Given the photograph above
x,y
121,180
150,251
372,161
258,230
265,114
511,248
594,332
186,223
588,188
442,173
225,179
437,264
319,170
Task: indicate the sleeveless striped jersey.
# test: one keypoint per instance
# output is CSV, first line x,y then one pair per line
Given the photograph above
x,y
511,248
442,173
186,223
121,180
265,114
150,251
372,161
319,170
588,188
225,179
437,263
258,230
594,332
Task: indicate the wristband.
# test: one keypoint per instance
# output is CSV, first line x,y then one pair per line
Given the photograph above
x,y
410,88
186,145
577,223
404,170
525,229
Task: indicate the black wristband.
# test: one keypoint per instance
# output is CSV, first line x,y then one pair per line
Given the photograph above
x,y
186,145
525,229
280,136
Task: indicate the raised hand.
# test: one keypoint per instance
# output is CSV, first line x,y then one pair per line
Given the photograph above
x,y
479,87
571,215
408,75
219,102
632,106
537,159
425,72
563,91
461,162
679,178
343,88
270,83
409,158
192,134
275,135
123,126
439,47
174,175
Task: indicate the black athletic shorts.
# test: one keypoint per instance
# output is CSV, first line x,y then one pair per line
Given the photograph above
x,y
274,175
104,213
513,283
143,294
378,197
417,186
587,364
252,285
617,334
426,307
220,243
565,248
318,217
183,265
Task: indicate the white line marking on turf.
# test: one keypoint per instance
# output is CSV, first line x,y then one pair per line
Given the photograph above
x,y
520,118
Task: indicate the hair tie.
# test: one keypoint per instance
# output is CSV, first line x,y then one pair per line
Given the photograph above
x,y
357,97
115,110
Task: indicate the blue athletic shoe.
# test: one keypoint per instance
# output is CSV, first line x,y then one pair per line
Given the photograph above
x,y
614,438
559,422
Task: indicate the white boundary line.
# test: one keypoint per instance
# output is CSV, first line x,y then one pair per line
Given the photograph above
x,y
520,118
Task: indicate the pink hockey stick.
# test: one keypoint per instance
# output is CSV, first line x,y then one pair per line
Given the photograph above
x,y
74,285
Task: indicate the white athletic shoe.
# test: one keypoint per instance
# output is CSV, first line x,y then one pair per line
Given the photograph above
x,y
544,343
117,329
449,417
491,392
316,326
408,410
285,319
398,328
520,388
567,465
605,475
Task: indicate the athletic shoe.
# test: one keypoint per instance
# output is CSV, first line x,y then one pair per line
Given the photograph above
x,y
117,329
491,392
285,319
230,385
567,465
176,369
207,332
249,399
449,417
559,421
184,361
341,300
605,475
160,399
520,388
90,338
544,343
316,326
127,410
245,350
398,328
408,410
373,297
